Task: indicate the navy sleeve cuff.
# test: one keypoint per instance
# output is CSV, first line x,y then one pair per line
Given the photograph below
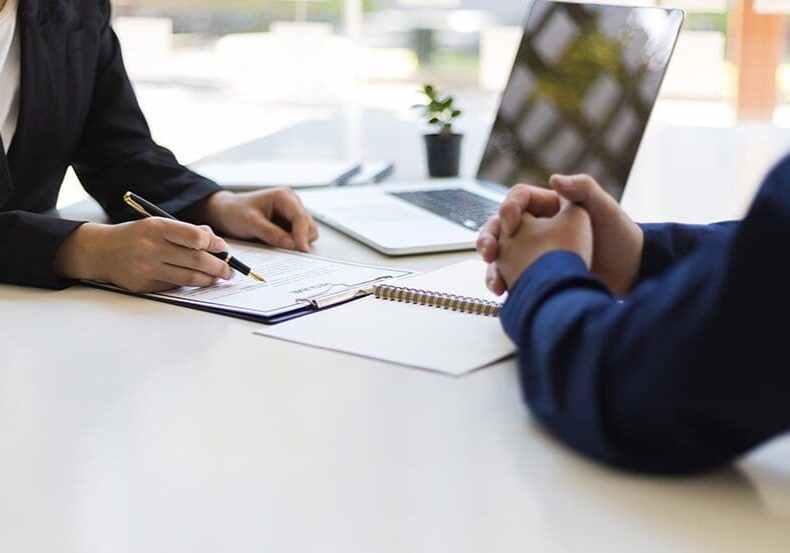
x,y
551,272
666,243
657,253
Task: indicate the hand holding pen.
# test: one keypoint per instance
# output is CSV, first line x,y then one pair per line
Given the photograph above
x,y
158,253
147,209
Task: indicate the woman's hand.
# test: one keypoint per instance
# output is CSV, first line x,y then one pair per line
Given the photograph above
x,y
150,255
159,254
276,217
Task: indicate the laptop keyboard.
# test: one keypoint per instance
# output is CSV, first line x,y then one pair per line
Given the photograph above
x,y
460,206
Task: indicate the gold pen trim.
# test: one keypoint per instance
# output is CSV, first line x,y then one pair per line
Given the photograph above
x,y
256,276
134,205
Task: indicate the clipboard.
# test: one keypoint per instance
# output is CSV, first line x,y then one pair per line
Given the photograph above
x,y
298,284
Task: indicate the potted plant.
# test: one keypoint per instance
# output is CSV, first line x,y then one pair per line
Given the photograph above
x,y
444,146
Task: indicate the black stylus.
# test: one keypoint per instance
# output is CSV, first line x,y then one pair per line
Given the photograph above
x,y
147,209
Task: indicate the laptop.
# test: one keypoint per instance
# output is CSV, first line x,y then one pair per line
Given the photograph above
x,y
578,100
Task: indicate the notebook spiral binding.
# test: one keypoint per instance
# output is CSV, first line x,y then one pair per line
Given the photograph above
x,y
462,304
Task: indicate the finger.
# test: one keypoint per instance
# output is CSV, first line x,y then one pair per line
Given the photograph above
x,y
487,241
313,231
159,286
584,191
542,202
218,245
289,206
524,198
198,260
510,217
578,213
191,236
494,280
269,233
179,276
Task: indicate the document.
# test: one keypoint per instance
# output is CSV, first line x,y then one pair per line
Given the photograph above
x,y
295,283
408,334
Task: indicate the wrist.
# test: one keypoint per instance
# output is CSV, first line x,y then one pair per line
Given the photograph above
x,y
210,211
77,255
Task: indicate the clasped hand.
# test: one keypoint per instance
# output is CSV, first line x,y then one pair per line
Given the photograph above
x,y
578,216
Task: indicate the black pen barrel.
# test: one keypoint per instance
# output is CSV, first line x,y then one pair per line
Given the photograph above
x,y
234,263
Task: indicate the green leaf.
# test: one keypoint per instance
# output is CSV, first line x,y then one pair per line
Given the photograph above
x,y
440,109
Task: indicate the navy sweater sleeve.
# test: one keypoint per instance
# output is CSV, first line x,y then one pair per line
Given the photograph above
x,y
666,243
688,372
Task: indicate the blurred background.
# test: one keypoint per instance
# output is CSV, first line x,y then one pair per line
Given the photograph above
x,y
211,74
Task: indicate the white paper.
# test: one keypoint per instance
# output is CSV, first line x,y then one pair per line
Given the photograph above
x,y
414,335
272,173
292,279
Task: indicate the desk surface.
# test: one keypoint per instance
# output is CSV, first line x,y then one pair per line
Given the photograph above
x,y
217,440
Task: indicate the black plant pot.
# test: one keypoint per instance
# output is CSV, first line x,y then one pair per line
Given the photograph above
x,y
444,154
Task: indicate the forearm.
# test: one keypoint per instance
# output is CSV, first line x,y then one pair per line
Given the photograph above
x,y
76,258
655,383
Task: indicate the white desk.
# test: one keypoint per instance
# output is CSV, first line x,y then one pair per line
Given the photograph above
x,y
128,426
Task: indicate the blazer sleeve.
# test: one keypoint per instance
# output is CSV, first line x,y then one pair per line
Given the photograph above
x,y
688,372
117,152
28,244
666,243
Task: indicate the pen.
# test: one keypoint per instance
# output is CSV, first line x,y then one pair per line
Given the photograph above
x,y
147,209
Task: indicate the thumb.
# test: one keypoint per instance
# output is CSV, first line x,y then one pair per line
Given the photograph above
x,y
584,191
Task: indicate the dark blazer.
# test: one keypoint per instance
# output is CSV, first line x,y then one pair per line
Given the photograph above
x,y
77,108
692,369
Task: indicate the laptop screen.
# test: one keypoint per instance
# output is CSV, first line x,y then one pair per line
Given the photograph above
x,y
580,93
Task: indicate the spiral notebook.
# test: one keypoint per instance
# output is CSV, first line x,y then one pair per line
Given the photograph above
x,y
444,321
441,300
